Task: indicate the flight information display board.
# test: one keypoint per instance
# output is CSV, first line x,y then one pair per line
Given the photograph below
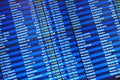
x,y
59,39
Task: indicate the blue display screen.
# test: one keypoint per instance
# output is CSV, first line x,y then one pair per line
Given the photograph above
x,y
59,40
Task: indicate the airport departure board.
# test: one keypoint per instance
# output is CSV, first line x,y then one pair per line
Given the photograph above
x,y
59,39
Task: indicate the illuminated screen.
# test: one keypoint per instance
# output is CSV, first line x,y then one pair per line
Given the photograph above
x,y
59,39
